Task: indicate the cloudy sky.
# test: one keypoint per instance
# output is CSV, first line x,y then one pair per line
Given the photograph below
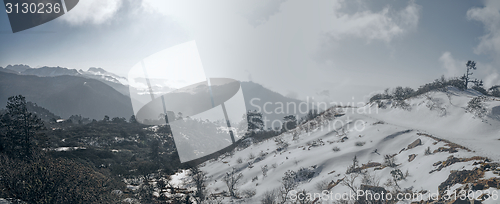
x,y
331,50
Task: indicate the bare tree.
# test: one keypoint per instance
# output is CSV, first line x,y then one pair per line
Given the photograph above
x,y
199,178
232,178
288,183
350,182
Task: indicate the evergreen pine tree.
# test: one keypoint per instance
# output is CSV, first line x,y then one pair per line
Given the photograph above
x,y
20,137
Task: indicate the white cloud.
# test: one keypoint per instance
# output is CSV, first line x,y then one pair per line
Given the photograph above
x,y
92,11
281,45
492,79
450,64
383,25
327,16
261,13
489,74
489,15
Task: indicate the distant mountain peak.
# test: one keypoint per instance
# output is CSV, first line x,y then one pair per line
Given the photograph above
x,y
47,71
18,67
96,69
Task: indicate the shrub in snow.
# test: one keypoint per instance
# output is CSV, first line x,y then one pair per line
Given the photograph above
x,y
261,157
359,144
476,106
239,160
264,170
397,174
389,161
295,134
245,143
480,89
428,151
281,143
435,105
381,104
269,197
495,91
262,154
369,179
214,200
304,174
248,193
318,142
336,149
322,185
401,104
251,156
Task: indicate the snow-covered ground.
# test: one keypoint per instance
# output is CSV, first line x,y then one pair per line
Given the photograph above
x,y
449,119
369,134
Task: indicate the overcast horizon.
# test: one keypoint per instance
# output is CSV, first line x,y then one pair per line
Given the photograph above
x,y
331,50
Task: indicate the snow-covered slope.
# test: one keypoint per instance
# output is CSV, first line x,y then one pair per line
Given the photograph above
x,y
428,138
445,115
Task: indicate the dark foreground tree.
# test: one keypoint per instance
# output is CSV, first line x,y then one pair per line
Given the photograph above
x,y
20,136
48,180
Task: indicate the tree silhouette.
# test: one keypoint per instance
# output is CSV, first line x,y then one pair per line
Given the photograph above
x,y
20,137
255,121
471,65
132,119
289,122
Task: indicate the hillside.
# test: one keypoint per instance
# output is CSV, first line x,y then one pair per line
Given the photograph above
x,y
251,91
66,95
274,100
435,142
41,112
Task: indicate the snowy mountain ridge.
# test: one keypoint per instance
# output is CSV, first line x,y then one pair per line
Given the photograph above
x,y
425,145
92,72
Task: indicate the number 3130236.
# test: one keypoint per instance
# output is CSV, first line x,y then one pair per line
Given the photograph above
x,y
33,8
